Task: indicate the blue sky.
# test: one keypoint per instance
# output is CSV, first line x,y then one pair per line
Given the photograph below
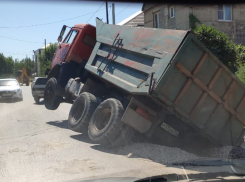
x,y
21,20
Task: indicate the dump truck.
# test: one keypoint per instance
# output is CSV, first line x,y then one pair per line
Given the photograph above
x,y
22,77
159,82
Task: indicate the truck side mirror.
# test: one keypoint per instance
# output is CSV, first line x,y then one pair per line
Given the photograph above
x,y
59,38
62,33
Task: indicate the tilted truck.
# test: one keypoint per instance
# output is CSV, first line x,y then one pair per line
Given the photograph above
x,y
160,82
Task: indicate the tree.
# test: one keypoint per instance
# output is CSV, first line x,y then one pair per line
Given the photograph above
x,y
46,62
27,63
6,66
193,20
241,73
219,44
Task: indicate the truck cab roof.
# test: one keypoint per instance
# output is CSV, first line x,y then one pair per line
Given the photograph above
x,y
82,25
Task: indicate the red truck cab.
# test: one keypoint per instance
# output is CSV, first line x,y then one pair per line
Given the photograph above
x,y
77,45
68,62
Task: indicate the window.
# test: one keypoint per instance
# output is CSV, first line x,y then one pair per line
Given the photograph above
x,y
171,12
156,20
90,41
70,37
41,81
224,12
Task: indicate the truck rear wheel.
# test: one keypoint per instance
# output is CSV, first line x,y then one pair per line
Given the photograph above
x,y
51,100
105,124
81,112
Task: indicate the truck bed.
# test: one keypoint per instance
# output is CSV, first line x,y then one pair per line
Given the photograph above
x,y
174,67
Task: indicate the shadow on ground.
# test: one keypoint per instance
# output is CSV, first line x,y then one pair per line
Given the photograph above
x,y
83,138
60,124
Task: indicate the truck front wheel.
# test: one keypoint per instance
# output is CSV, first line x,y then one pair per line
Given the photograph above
x,y
105,125
51,100
81,112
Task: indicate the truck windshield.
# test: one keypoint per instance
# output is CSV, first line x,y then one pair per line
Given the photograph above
x,y
41,81
70,37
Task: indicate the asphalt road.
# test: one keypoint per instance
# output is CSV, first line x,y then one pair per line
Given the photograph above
x,y
36,145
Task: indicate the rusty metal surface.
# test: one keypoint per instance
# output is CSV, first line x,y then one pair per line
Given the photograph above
x,y
201,89
141,52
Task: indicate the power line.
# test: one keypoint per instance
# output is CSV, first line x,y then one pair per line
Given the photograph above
x,y
16,53
21,40
54,21
96,11
123,9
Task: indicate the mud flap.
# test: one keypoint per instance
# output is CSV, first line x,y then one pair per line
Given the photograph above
x,y
136,120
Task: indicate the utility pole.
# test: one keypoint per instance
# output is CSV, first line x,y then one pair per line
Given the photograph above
x,y
107,12
45,50
113,14
14,67
36,63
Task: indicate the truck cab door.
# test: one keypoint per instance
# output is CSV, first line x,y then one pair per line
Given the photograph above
x,y
64,47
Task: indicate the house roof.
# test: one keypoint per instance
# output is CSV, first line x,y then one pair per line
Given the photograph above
x,y
146,6
137,19
44,46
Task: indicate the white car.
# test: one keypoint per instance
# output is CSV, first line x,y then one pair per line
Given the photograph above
x,y
10,88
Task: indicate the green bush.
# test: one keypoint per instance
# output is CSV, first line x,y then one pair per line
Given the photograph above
x,y
193,20
241,73
46,62
219,44
240,50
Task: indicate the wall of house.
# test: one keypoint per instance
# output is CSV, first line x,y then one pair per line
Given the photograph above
x,y
207,14
37,53
178,22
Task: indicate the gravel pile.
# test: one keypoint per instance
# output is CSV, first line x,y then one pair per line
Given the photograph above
x,y
168,155
157,153
221,152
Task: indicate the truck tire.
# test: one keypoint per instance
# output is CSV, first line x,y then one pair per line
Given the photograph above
x,y
51,100
236,155
105,124
81,112
37,100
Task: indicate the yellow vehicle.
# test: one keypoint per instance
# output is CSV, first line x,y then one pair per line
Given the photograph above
x,y
23,77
